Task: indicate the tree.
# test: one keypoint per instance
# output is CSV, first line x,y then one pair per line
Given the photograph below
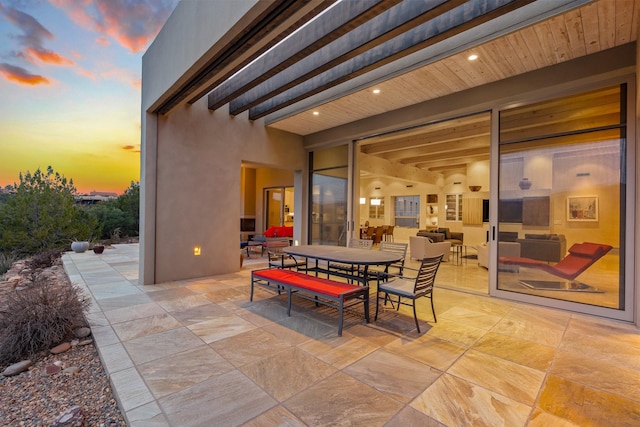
x,y
129,203
42,215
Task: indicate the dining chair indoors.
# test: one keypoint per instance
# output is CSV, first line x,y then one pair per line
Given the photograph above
x,y
411,288
351,268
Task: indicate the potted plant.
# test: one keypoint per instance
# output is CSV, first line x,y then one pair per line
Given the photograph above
x,y
98,249
79,246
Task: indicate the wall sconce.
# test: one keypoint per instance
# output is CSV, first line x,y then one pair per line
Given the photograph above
x,y
197,250
363,200
375,202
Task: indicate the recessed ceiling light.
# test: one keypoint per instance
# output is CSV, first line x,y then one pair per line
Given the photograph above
x,y
376,91
473,57
316,113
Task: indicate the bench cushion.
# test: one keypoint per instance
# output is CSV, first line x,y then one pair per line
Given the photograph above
x,y
311,283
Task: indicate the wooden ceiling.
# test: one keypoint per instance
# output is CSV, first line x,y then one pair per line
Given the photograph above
x,y
594,27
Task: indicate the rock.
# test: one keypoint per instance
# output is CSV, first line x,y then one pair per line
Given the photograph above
x,y
51,369
60,348
82,332
17,368
58,363
71,370
72,417
85,342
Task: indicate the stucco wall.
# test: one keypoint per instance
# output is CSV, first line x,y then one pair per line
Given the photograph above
x,y
198,194
184,41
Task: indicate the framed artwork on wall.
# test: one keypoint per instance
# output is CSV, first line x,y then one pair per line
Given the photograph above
x,y
582,208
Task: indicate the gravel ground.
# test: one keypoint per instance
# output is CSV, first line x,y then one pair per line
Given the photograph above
x,y
35,399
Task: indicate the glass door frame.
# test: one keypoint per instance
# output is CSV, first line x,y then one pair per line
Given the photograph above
x,y
283,204
630,311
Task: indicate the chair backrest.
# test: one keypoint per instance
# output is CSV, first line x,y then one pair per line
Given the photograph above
x,y
397,248
379,234
427,275
361,243
370,232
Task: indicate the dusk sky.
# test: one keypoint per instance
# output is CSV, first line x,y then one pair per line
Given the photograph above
x,y
70,87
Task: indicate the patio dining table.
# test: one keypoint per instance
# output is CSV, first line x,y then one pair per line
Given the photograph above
x,y
343,255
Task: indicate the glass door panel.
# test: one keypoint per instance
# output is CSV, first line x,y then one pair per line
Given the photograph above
x,y
274,200
561,208
329,194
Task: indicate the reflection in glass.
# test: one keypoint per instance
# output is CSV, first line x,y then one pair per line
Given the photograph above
x,y
561,199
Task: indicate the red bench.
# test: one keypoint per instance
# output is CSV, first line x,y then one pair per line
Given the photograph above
x,y
317,289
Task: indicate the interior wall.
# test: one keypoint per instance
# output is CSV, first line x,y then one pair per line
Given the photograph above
x,y
269,178
199,156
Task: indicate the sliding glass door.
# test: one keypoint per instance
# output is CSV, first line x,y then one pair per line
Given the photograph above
x,y
562,212
329,196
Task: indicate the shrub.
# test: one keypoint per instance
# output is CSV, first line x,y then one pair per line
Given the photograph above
x,y
6,261
39,317
41,215
44,259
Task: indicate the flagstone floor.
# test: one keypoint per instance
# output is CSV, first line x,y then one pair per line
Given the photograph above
x,y
199,353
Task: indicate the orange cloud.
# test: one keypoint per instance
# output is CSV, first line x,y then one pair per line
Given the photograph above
x,y
131,148
133,24
102,41
32,38
20,75
86,73
124,75
47,56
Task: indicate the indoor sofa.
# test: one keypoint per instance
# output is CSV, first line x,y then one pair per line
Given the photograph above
x,y
443,235
421,247
543,247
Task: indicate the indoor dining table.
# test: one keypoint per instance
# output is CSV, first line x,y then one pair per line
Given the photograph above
x,y
339,254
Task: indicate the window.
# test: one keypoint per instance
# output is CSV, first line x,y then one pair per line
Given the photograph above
x,y
407,211
453,207
376,208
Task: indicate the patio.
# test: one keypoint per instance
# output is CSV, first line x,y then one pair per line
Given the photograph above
x,y
198,353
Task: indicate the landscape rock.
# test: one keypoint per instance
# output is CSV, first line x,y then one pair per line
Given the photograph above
x,y
82,332
71,370
51,369
72,417
17,368
60,348
85,342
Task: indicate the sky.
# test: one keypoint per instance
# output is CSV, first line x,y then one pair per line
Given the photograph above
x,y
70,78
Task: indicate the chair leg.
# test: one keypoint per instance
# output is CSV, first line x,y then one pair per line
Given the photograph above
x,y
433,310
375,318
415,316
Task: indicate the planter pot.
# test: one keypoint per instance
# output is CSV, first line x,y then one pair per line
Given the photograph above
x,y
98,249
79,247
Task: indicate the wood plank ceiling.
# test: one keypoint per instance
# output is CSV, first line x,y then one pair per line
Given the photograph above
x,y
414,51
597,26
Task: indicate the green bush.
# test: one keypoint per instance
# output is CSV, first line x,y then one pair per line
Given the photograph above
x,y
6,260
39,317
41,215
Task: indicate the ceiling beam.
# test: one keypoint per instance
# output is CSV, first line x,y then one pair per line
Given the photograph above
x,y
373,33
261,29
438,28
451,156
457,133
337,21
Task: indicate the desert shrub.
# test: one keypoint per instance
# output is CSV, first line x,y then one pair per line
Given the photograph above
x,y
39,317
44,259
6,261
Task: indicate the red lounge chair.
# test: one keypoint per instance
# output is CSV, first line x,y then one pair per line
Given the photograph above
x,y
581,256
